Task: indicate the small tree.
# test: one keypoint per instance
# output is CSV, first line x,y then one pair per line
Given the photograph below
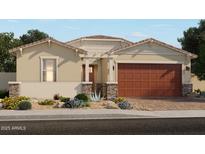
x,y
32,36
200,63
7,61
194,41
7,42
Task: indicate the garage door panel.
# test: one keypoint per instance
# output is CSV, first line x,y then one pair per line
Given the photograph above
x,y
149,80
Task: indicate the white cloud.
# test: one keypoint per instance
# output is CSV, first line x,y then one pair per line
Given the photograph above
x,y
138,34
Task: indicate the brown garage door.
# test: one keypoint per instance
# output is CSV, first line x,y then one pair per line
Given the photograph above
x,y
149,80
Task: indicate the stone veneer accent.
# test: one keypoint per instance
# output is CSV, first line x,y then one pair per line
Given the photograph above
x,y
14,89
186,89
107,90
87,88
111,90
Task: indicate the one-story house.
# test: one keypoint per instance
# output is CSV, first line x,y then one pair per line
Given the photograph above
x,y
114,66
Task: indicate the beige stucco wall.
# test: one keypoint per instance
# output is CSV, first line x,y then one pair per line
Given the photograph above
x,y
5,77
28,64
156,54
197,84
48,90
104,71
70,64
98,77
150,49
97,47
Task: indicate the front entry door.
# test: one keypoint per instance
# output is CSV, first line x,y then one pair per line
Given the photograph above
x,y
91,73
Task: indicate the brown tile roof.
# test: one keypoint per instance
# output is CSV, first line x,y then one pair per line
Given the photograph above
x,y
100,37
113,51
45,40
152,40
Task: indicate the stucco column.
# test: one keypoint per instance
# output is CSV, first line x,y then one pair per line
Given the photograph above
x,y
111,72
86,70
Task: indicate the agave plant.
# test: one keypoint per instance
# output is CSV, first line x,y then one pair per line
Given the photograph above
x,y
95,97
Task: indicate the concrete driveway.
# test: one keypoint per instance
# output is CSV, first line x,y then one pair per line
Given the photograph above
x,y
168,103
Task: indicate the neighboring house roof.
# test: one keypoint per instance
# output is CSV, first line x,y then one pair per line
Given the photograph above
x,y
151,40
47,40
100,37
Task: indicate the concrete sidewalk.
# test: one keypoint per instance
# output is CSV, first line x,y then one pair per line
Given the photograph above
x,y
101,121
66,114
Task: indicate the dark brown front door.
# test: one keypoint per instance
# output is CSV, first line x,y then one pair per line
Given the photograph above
x,y
141,80
91,73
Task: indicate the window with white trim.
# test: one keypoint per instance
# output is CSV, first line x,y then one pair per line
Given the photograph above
x,y
49,70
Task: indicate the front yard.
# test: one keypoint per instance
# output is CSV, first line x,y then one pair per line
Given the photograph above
x,y
94,102
142,104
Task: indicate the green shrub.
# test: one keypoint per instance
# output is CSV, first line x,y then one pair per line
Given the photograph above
x,y
47,102
82,97
24,105
76,103
56,97
124,105
11,103
119,99
64,99
4,93
86,104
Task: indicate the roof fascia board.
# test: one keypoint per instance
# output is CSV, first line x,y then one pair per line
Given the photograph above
x,y
26,46
92,39
49,41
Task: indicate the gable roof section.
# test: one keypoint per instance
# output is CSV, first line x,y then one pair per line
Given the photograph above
x,y
151,40
113,51
47,40
100,37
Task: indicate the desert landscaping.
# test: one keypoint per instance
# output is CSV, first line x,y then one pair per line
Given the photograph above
x,y
194,102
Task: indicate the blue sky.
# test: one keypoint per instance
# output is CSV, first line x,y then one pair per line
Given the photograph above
x,y
134,30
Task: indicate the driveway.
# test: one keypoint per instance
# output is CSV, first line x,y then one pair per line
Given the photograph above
x,y
156,104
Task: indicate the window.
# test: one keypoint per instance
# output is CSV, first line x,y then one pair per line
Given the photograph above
x,y
49,69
